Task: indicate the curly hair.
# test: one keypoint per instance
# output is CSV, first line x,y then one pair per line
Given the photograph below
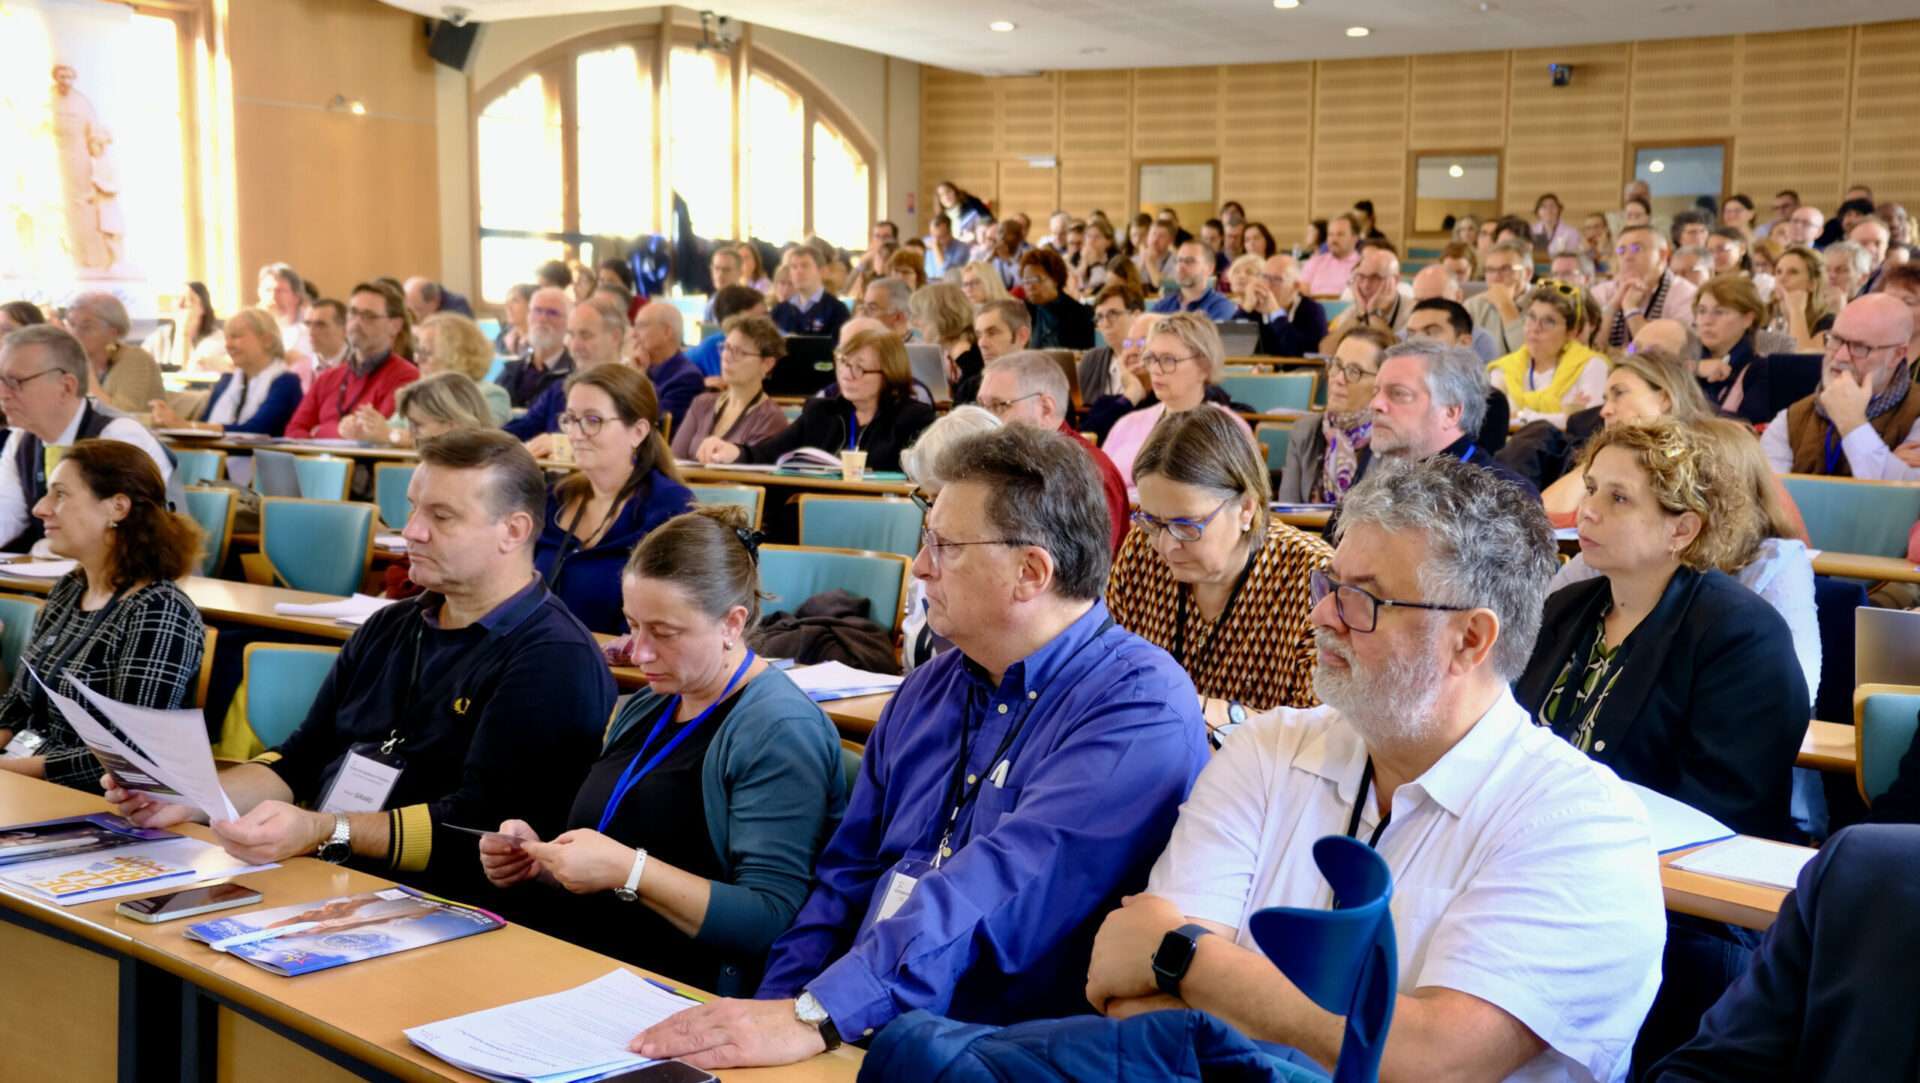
x,y
151,543
1689,472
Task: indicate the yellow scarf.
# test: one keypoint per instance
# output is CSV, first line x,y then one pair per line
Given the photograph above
x,y
1550,399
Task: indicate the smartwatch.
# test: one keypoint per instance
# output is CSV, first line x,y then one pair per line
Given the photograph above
x,y
1176,953
630,892
339,845
812,1013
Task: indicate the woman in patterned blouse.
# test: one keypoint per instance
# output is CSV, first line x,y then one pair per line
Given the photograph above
x,y
116,623
1209,576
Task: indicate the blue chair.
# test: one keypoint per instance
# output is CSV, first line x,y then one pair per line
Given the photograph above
x,y
390,482
1343,958
1276,437
281,681
1847,515
213,508
318,545
199,465
748,498
1884,720
1334,308
885,524
790,574
494,370
17,615
1270,393
323,477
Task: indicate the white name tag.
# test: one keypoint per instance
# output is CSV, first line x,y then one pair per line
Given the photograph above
x,y
898,892
25,743
363,785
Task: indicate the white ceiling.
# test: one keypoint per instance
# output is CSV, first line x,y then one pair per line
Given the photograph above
x,y
1054,34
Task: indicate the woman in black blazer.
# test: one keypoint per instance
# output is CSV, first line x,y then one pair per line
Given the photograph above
x,y
874,412
1728,314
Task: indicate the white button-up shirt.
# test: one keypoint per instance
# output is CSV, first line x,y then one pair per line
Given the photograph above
x,y
1523,872
15,512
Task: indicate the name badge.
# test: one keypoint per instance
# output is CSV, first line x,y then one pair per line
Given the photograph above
x,y
25,743
363,785
899,890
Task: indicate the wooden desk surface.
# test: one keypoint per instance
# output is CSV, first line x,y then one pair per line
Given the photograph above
x,y
1747,905
720,475
360,1009
1305,520
1829,746
1862,566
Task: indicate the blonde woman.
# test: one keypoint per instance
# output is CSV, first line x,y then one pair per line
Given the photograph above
x,y
1554,374
258,396
1183,358
444,342
1800,306
1641,387
1240,275
982,283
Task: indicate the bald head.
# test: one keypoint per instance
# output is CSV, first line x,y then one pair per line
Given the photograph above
x,y
1283,267
1878,320
1435,281
657,332
1668,335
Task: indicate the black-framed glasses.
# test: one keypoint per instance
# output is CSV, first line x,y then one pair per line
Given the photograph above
x,y
1162,362
727,350
588,424
847,366
933,543
999,408
1854,351
15,383
1354,373
1180,530
1108,315
1357,609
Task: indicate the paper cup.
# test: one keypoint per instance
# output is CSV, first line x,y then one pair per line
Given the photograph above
x,y
853,465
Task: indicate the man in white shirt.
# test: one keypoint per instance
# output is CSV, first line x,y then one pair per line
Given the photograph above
x,y
1526,901
43,389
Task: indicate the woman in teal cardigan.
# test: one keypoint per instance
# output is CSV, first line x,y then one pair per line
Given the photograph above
x,y
720,740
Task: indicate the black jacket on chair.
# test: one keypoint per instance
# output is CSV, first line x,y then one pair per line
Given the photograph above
x,y
1711,707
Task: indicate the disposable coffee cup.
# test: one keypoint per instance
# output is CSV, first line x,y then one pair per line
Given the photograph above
x,y
853,465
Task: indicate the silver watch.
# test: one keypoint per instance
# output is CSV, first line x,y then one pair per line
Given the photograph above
x,y
339,845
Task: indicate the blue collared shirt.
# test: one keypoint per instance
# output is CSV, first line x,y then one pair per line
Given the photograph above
x,y
1218,307
1004,928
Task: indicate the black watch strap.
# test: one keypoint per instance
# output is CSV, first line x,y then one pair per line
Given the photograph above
x,y
830,1034
1175,956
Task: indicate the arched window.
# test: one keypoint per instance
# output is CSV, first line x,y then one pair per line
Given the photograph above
x,y
581,149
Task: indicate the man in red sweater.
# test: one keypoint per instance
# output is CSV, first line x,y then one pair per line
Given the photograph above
x,y
372,372
1027,387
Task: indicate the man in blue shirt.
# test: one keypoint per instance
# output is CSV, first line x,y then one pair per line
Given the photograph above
x,y
811,310
595,329
658,336
1016,786
729,301
1193,273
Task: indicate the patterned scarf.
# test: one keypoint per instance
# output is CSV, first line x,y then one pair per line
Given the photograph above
x,y
1619,335
1346,434
1893,396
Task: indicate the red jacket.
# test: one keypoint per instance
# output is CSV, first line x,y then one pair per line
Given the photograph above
x,y
337,393
1119,509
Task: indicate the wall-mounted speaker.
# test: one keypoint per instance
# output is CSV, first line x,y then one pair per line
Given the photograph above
x,y
451,45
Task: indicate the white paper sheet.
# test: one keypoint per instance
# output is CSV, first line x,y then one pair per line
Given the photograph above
x,y
576,1034
1750,861
172,744
1675,825
837,680
39,569
393,543
354,610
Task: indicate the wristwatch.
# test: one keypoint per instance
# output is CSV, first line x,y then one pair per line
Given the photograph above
x,y
1176,953
339,845
631,891
809,1011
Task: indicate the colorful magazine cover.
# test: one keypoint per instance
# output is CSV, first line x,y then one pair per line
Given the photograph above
x,y
75,880
71,836
334,932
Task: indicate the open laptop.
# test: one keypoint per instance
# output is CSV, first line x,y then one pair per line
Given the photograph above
x,y
1239,337
1886,646
929,365
807,368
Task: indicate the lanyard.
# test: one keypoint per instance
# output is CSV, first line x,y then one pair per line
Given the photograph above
x,y
1360,803
407,694
961,791
1831,449
1204,652
635,771
572,543
1467,455
853,428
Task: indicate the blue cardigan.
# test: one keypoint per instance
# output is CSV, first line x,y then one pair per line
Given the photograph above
x,y
773,792
283,398
589,579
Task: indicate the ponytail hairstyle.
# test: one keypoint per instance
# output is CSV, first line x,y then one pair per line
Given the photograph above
x,y
711,554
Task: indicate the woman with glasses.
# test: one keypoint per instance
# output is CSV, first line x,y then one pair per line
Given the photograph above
x,y
1184,359
740,412
1323,450
1800,303
1554,374
874,412
980,281
918,641
623,485
1209,576
1059,321
1727,315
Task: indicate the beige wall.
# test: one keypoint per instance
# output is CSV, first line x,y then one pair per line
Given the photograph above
x,y
1814,110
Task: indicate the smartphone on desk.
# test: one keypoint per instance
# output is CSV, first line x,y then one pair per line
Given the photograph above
x,y
192,902
666,1071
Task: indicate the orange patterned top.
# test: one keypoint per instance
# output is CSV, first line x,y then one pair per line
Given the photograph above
x,y
1264,656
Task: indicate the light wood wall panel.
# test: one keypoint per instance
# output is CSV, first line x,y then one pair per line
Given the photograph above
x,y
1264,160
1566,140
1457,102
1095,114
1029,111
1025,187
1884,151
1793,116
958,134
1683,90
1176,112
1360,138
1086,183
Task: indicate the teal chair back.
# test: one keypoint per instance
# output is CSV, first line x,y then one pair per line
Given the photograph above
x,y
748,498
882,524
1848,516
390,482
791,574
1268,393
282,679
213,509
1886,716
317,545
17,615
1276,438
198,465
323,477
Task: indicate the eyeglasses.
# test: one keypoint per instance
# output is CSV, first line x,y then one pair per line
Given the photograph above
x,y
1108,315
1355,373
1633,248
998,408
1357,609
871,310
549,313
728,351
1185,531
1132,343
364,314
588,424
1854,351
847,366
15,383
1368,276
1161,362
1502,272
932,543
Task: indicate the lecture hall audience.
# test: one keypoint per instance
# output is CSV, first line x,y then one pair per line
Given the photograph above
x,y
259,395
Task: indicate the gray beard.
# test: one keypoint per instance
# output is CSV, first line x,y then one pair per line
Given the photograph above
x,y
1391,705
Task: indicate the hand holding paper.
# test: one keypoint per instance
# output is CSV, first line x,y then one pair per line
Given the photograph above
x,y
165,754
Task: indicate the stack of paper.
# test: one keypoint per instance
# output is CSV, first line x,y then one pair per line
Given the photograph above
x,y
566,1037
162,753
354,610
836,680
1750,861
72,836
39,569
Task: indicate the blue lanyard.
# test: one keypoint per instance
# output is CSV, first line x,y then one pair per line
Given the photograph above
x,y
1831,448
853,429
1467,455
631,777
